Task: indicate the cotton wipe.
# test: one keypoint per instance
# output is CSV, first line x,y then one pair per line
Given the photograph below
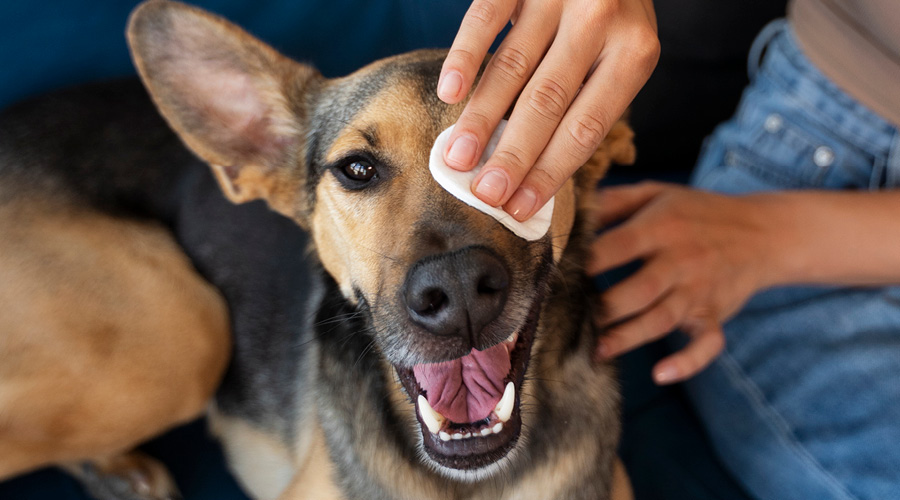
x,y
459,185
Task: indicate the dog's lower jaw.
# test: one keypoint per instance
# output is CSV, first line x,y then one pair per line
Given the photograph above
x,y
477,450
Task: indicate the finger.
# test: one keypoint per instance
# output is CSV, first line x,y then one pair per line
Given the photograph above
x,y
480,26
537,114
622,71
651,325
704,347
613,204
619,246
504,77
639,292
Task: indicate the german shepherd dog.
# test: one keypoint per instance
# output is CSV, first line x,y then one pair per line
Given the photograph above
x,y
365,334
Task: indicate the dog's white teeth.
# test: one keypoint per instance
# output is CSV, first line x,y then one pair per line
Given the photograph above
x,y
432,419
505,406
458,436
512,338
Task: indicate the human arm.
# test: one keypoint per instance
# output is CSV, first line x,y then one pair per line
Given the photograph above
x,y
705,254
555,46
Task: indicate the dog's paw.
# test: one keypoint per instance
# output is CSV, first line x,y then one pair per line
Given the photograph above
x,y
130,476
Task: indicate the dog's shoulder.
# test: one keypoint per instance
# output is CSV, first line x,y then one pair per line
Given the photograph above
x,y
102,145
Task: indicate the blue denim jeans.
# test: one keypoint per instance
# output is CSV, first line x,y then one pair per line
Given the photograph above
x,y
805,401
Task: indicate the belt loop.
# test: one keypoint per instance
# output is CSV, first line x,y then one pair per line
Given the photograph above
x,y
761,42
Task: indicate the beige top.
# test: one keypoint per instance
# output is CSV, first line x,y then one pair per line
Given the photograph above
x,y
856,43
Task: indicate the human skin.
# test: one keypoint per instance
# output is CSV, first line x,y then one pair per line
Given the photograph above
x,y
570,66
704,255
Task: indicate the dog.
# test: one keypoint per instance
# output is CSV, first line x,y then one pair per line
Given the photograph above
x,y
362,334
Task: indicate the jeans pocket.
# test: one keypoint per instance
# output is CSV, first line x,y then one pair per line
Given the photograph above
x,y
774,143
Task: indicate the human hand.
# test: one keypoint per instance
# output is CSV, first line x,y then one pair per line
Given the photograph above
x,y
577,65
704,256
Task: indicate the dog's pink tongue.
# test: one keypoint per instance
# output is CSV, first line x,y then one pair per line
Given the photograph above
x,y
466,389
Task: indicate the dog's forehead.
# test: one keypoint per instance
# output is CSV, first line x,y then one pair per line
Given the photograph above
x,y
377,102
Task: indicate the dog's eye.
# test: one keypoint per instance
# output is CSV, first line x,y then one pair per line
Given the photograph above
x,y
359,171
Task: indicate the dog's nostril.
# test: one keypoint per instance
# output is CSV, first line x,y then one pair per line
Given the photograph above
x,y
427,302
492,283
433,301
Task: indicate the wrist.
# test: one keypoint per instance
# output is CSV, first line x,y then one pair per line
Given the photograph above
x,y
780,242
829,238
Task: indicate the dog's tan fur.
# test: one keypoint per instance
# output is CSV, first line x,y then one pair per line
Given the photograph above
x,y
98,309
85,296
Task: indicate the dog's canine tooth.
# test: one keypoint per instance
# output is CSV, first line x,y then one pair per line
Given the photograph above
x,y
513,337
432,419
505,406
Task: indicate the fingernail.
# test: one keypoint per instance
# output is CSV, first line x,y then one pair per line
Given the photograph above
x,y
462,151
522,204
665,374
449,86
491,186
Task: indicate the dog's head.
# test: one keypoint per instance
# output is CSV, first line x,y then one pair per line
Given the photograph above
x,y
452,296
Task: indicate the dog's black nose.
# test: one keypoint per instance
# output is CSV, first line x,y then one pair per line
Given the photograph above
x,y
457,293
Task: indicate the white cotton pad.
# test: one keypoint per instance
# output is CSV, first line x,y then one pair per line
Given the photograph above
x,y
459,185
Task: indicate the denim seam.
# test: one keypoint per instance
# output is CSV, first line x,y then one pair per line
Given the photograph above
x,y
777,423
797,59
892,163
827,121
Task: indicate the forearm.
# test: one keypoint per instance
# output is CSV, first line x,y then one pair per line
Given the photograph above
x,y
818,237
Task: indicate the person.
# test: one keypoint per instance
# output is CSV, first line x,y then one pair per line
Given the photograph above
x,y
804,402
789,235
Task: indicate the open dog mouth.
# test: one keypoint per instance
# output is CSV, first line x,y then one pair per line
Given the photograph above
x,y
468,408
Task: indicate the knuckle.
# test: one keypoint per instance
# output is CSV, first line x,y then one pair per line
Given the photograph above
x,y
483,13
626,239
545,181
549,99
511,157
597,13
666,319
476,121
587,131
463,57
645,45
648,289
512,62
716,342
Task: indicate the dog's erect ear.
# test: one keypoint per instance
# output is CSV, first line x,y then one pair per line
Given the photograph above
x,y
235,101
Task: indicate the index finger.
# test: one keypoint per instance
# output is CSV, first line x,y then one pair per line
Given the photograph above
x,y
617,247
482,23
612,204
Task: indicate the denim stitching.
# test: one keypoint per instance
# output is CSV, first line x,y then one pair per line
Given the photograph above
x,y
810,72
892,164
779,426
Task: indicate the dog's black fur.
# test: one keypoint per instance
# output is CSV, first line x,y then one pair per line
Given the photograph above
x,y
105,146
